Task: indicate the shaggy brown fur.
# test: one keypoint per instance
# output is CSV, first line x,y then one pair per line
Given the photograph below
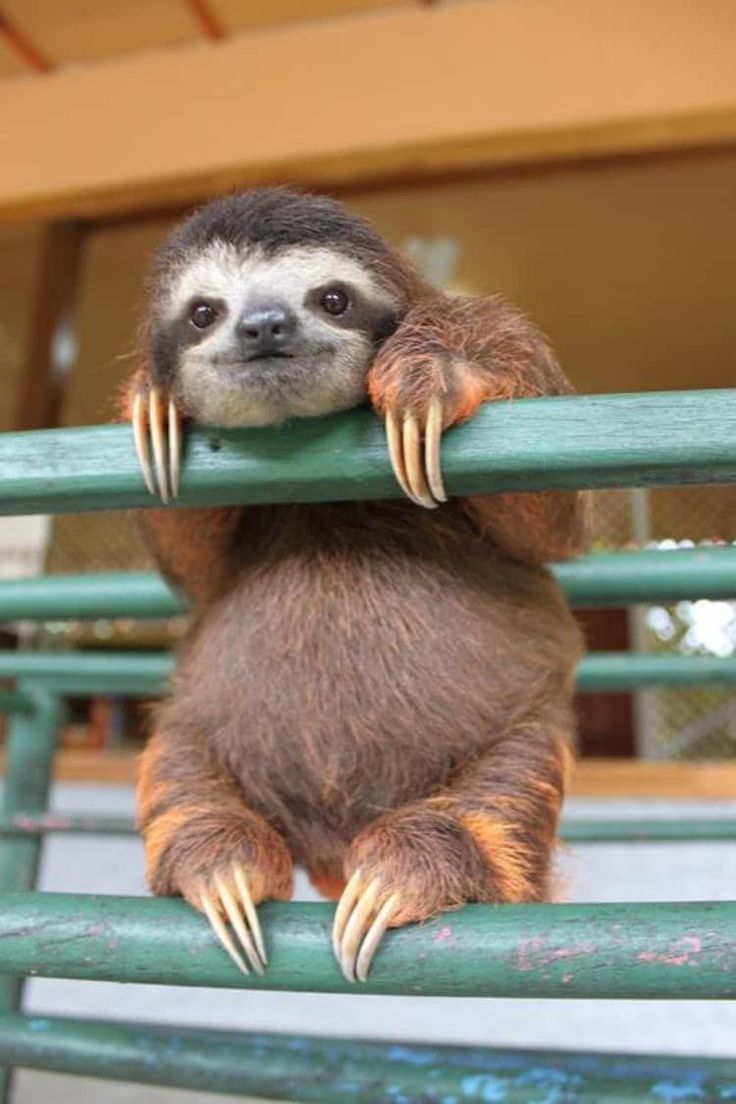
x,y
371,684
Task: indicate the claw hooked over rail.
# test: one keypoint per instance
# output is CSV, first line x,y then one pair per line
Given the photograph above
x,y
415,454
360,922
232,899
157,429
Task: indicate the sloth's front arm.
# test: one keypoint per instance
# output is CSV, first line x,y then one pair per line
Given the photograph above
x,y
448,356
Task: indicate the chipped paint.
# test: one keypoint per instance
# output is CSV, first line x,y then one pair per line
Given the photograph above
x,y
684,1088
679,953
37,1024
485,1087
410,1054
533,954
527,947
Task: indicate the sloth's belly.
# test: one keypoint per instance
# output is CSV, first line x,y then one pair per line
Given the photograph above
x,y
336,687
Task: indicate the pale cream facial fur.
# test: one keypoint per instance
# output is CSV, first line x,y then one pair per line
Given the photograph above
x,y
211,387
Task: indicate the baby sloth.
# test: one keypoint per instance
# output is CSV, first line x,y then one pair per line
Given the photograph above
x,y
376,692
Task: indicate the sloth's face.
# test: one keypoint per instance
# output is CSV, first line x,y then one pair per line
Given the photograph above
x,y
250,340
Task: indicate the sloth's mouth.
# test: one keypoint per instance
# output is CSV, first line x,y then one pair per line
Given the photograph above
x,y
257,357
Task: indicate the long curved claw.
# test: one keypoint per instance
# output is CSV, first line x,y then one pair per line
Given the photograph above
x,y
140,433
175,427
415,454
342,913
239,909
235,916
157,429
374,935
432,436
220,930
413,461
360,923
396,453
249,909
158,439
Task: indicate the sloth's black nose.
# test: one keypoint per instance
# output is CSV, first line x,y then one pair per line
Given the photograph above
x,y
266,330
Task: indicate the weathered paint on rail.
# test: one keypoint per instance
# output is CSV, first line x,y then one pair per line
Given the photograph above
x,y
650,439
676,951
310,1070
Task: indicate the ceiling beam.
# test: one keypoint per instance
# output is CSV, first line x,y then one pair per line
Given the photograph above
x,y
206,19
401,92
23,47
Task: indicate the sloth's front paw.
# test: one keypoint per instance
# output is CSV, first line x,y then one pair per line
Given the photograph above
x,y
157,429
406,867
223,865
419,394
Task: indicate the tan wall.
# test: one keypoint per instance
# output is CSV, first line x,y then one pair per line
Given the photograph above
x,y
628,267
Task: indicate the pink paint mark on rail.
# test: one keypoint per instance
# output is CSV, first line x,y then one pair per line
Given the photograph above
x,y
443,934
679,953
533,955
527,949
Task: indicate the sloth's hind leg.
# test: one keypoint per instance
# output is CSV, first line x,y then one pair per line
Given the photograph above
x,y
488,835
204,844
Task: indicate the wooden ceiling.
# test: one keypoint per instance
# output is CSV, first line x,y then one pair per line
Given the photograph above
x,y
114,107
38,36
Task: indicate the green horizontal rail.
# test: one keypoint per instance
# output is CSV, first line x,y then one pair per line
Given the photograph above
x,y
643,439
39,824
649,830
90,672
603,579
627,951
575,830
309,1070
126,673
134,594
627,578
618,672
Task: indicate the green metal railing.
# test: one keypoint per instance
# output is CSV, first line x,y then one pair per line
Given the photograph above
x,y
604,579
332,1071
678,951
145,673
591,441
688,829
612,951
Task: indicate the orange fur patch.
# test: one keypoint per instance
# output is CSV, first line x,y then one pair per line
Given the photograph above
x,y
473,391
329,885
152,789
505,857
160,831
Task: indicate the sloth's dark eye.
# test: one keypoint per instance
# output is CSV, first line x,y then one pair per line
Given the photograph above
x,y
334,301
202,315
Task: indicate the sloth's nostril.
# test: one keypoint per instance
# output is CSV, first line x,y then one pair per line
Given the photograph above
x,y
266,328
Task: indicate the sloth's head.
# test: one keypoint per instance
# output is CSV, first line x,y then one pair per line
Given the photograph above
x,y
270,305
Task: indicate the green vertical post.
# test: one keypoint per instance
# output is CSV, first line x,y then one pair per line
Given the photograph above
x,y
29,758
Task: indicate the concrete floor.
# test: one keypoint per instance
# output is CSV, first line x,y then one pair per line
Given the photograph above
x,y
589,873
